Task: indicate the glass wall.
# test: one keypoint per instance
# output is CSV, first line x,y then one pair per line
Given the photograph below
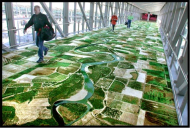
x,y
57,11
87,13
79,17
5,38
184,38
22,13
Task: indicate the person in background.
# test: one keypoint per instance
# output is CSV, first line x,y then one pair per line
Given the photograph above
x,y
113,20
130,17
39,20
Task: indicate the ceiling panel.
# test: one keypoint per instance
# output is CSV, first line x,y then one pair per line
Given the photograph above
x,y
149,6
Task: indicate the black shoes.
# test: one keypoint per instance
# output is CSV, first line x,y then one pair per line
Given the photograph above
x,y
40,61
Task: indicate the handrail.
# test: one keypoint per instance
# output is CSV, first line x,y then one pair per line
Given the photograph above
x,y
54,24
18,45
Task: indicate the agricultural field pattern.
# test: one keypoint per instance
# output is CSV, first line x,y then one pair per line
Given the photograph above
x,y
100,78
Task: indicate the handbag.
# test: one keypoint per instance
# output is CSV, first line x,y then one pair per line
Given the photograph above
x,y
47,33
126,23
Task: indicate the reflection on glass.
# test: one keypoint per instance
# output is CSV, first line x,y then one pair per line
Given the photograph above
x,y
5,37
181,48
185,30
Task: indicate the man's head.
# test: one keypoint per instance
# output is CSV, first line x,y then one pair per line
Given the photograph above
x,y
37,9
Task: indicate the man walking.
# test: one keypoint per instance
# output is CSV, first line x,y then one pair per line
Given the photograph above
x,y
113,20
130,17
39,20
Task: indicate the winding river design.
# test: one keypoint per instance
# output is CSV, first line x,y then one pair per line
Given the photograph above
x,y
89,86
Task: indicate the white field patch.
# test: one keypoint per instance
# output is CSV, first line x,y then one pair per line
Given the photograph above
x,y
33,58
130,39
127,74
26,78
143,62
6,74
77,55
30,112
153,37
141,117
84,38
132,92
119,72
76,43
141,77
9,55
29,64
66,61
142,52
13,68
79,96
161,60
140,65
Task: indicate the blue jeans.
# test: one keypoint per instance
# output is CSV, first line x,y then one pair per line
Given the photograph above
x,y
129,24
40,44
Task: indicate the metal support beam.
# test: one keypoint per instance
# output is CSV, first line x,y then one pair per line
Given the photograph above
x,y
115,8
96,14
106,14
74,28
182,88
180,26
171,19
50,8
119,12
32,12
184,102
65,17
170,16
126,6
167,15
10,23
128,9
84,16
111,6
174,25
122,11
148,16
101,15
91,15
52,18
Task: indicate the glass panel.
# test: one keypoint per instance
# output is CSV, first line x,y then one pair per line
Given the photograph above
x,y
57,10
87,13
103,8
95,13
185,30
181,48
71,17
79,17
5,36
21,9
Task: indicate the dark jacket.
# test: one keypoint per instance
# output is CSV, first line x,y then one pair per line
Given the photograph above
x,y
39,21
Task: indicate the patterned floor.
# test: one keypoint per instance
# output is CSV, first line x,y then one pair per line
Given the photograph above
x,y
133,91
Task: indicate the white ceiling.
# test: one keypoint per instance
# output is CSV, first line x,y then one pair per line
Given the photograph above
x,y
149,6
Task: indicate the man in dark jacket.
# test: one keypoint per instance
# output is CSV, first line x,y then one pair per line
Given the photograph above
x,y
39,20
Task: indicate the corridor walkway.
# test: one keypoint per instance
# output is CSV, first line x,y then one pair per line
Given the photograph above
x,y
135,90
